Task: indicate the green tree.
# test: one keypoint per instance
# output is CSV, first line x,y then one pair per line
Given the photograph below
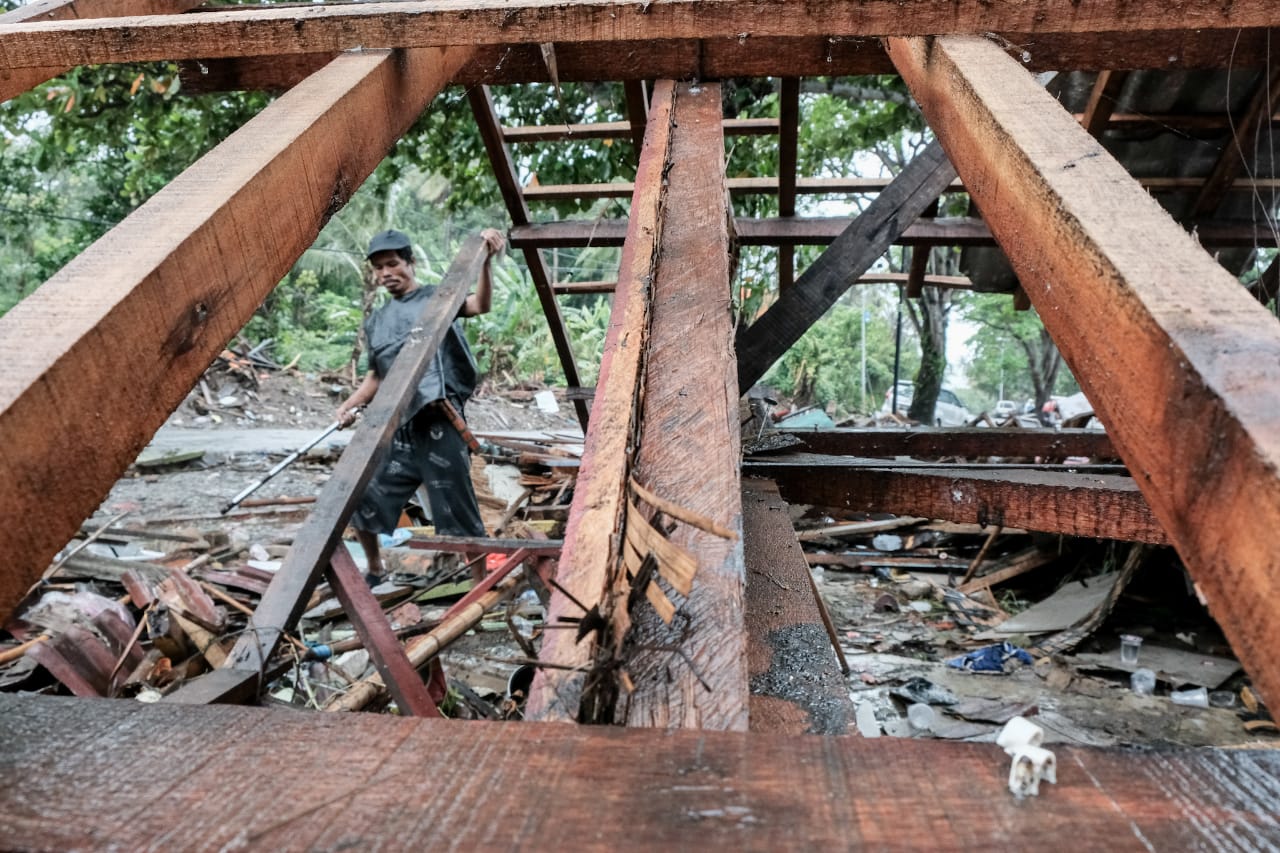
x,y
1012,351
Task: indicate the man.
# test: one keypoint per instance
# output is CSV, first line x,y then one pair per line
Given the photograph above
x,y
427,448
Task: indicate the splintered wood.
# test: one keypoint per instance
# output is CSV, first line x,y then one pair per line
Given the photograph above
x,y
669,383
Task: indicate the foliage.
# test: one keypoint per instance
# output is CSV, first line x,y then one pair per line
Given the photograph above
x,y
1012,351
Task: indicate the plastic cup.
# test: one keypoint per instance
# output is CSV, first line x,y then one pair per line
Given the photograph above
x,y
1143,682
1129,646
921,717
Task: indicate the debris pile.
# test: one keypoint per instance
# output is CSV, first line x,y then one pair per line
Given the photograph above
x,y
951,630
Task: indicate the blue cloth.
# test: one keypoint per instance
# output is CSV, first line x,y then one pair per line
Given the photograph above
x,y
989,658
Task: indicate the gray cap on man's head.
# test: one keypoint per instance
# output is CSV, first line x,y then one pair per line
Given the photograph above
x,y
388,241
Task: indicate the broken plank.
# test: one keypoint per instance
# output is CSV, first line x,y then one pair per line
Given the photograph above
x,y
433,23
88,767
1007,568
1180,362
482,545
960,442
688,449
1100,506
388,656
796,685
151,303
599,499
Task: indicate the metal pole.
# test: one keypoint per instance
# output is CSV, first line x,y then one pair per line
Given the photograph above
x,y
897,353
862,387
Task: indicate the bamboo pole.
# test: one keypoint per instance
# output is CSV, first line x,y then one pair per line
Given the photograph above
x,y
422,649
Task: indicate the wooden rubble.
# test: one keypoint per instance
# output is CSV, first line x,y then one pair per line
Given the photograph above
x,y
1182,363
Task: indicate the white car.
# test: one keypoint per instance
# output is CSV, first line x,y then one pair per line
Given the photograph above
x,y
949,411
1005,408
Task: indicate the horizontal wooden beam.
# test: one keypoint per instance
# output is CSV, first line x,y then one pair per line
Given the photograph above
x,y
88,766
962,442
438,23
14,82
806,56
1092,505
947,282
150,304
819,231
564,288
622,130
1159,335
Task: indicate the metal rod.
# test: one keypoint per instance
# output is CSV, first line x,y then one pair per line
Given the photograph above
x,y
284,463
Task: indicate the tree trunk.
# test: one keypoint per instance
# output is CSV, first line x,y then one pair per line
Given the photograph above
x,y
930,320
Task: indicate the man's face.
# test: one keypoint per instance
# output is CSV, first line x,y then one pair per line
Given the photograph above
x,y
393,272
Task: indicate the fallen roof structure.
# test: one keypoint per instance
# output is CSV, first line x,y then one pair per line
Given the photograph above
x,y
1183,363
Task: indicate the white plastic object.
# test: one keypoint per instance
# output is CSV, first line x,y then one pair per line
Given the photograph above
x,y
1019,732
1196,698
1129,647
1030,765
1143,682
921,717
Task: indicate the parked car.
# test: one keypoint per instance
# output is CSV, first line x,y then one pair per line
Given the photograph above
x,y
1005,408
949,411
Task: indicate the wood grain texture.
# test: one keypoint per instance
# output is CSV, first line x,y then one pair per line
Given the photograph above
x,y
963,442
1094,505
1181,363
436,23
806,56
796,685
149,305
689,451
592,538
850,255
15,81
89,773
374,630
820,231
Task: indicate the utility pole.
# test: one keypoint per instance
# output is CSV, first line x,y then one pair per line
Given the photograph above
x,y
862,386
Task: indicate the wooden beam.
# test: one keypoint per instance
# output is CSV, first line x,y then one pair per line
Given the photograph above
x,y
374,630
504,172
1239,151
314,545
806,56
1102,101
821,231
622,130
150,304
636,93
437,23
688,450
961,442
1093,505
1128,296
406,784
788,149
591,539
579,287
14,82
916,273
797,684
859,246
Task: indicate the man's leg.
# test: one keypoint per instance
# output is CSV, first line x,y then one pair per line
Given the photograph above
x,y
446,471
379,509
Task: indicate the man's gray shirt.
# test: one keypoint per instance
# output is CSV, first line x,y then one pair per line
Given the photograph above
x,y
451,373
